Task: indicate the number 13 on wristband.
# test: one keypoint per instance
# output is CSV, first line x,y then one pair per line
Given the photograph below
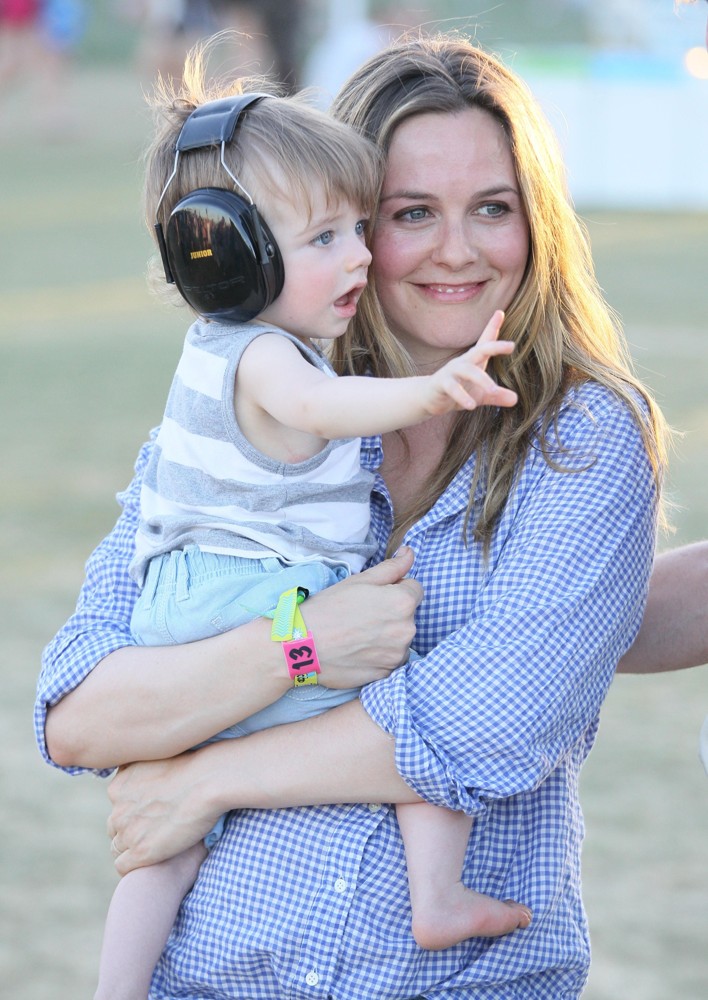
x,y
299,647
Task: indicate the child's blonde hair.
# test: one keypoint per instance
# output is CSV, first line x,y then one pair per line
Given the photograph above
x,y
283,148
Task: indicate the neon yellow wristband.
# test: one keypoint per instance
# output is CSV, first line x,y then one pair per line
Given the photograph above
x,y
298,646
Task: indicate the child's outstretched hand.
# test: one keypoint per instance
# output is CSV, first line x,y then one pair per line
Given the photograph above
x,y
463,383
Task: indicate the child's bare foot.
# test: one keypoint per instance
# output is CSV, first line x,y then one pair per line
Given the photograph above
x,y
460,913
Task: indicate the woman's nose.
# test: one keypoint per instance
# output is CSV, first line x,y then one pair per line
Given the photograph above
x,y
455,245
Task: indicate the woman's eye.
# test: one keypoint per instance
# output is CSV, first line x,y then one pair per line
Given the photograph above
x,y
324,238
493,210
412,214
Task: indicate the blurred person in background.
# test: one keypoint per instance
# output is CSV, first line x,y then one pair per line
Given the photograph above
x,y
271,35
167,29
282,28
19,40
62,25
350,37
38,43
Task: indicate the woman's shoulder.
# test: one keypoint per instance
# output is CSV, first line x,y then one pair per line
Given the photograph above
x,y
595,398
591,418
601,407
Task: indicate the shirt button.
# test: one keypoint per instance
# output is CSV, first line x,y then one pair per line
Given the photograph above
x,y
374,807
340,885
312,979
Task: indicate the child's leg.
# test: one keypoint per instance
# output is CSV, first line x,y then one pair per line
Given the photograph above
x,y
140,918
445,911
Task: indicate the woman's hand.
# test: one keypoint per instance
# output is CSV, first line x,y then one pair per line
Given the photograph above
x,y
364,626
160,808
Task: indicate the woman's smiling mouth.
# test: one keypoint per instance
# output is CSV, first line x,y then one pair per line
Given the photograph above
x,y
451,293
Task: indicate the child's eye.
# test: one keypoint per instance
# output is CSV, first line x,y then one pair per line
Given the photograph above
x,y
360,228
324,238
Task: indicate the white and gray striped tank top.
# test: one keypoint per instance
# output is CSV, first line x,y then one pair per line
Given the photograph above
x,y
206,485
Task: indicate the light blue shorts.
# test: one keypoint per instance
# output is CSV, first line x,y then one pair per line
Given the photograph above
x,y
189,594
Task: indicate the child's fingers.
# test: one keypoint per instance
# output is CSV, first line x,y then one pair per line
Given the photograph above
x,y
504,397
493,347
496,396
479,354
464,380
473,387
477,357
491,330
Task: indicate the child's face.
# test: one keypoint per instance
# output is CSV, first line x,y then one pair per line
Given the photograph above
x,y
325,260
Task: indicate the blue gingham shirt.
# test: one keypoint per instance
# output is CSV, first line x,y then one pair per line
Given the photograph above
x,y
495,719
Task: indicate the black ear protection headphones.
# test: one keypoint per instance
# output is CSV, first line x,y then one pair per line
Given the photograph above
x,y
216,248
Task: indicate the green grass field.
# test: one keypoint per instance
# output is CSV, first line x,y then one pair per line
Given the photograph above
x,y
86,357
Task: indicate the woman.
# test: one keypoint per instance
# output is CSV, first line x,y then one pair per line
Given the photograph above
x,y
533,532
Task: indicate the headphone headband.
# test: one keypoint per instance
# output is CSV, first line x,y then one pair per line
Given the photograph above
x,y
215,123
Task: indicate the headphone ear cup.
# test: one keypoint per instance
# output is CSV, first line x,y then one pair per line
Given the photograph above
x,y
274,271
224,259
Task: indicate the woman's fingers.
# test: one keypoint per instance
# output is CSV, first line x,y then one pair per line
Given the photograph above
x,y
159,810
389,571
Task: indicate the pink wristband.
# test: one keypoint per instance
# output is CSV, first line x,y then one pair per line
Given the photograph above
x,y
302,661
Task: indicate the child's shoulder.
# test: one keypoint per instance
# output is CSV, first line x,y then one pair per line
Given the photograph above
x,y
263,340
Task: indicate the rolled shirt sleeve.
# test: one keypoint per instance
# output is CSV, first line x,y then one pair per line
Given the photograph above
x,y
492,709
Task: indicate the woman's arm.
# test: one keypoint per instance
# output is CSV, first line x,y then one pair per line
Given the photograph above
x,y
494,707
103,701
163,807
145,703
342,755
674,631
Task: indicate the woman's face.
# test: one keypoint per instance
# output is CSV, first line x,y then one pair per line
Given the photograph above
x,y
451,239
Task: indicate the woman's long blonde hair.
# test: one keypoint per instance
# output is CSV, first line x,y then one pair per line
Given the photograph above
x,y
565,333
